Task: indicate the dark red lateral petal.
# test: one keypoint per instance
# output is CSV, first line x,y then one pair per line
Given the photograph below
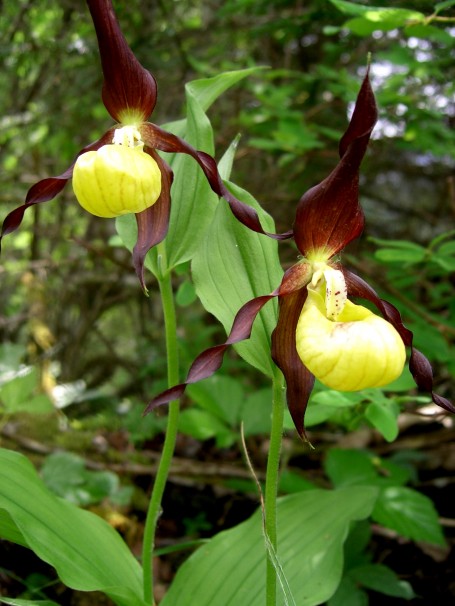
x,y
422,372
299,380
47,189
329,215
419,365
153,223
210,360
156,137
127,87
295,278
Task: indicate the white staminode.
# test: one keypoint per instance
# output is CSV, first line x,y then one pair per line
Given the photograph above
x,y
127,135
336,293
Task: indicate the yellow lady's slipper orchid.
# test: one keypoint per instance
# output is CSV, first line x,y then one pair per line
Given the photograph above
x,y
320,332
356,351
116,180
123,177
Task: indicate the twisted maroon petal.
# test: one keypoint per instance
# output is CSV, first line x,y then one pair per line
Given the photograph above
x,y
419,366
329,215
47,189
156,137
292,296
153,223
210,360
299,380
295,278
128,87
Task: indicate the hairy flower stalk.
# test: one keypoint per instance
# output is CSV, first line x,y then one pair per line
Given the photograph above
x,y
321,333
118,173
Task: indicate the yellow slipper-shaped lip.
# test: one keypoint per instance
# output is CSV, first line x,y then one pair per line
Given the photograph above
x,y
357,351
116,180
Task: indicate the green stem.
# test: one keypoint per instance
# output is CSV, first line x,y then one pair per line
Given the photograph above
x,y
271,482
167,300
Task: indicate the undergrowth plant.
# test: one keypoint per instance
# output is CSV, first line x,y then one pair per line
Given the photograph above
x,y
300,328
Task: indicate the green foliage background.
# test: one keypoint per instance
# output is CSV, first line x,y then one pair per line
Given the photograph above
x,y
289,115
72,313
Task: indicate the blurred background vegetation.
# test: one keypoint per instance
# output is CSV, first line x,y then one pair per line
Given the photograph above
x,y
77,332
290,117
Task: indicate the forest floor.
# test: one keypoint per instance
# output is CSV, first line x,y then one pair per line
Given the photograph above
x,y
204,495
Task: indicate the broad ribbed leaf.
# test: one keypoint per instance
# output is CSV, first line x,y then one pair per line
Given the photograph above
x,y
193,201
409,513
234,265
86,551
9,531
312,527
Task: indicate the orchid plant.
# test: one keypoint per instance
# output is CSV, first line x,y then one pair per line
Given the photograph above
x,y
320,333
122,172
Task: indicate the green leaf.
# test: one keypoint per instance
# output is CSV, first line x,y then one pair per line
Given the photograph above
x,y
347,467
382,579
398,16
202,425
207,90
86,551
356,545
256,413
409,513
65,474
312,527
193,202
399,251
440,6
400,244
185,294
348,592
222,396
430,32
234,265
446,262
9,531
447,249
383,416
362,26
291,482
393,255
326,403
